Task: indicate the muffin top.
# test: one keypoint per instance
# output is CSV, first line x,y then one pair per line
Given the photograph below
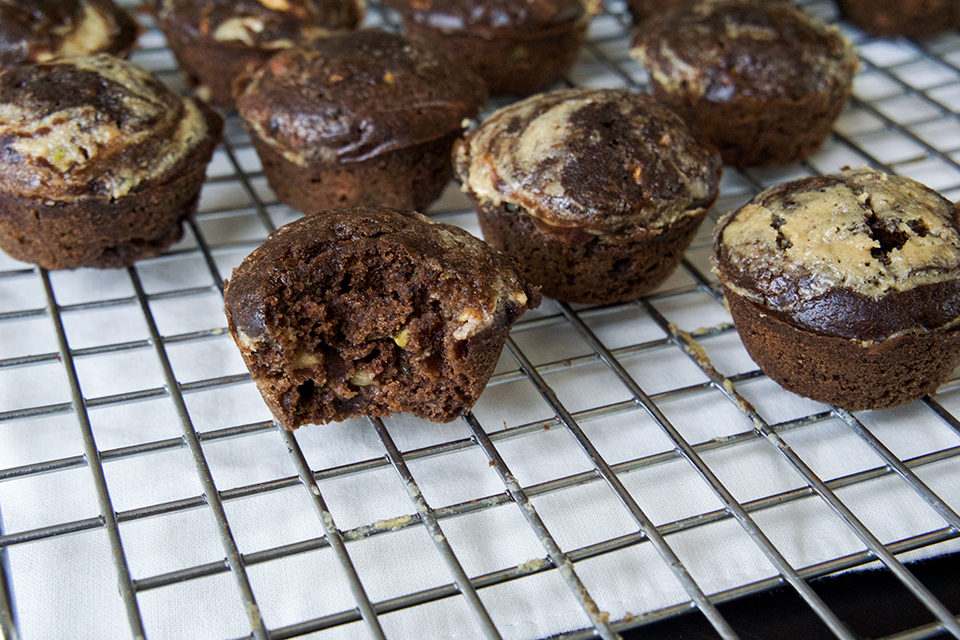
x,y
351,97
476,285
599,159
38,30
260,24
861,254
493,17
759,49
92,126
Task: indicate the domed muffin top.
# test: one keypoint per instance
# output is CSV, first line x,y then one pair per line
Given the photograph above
x,y
859,254
761,49
476,284
592,158
353,96
91,125
39,30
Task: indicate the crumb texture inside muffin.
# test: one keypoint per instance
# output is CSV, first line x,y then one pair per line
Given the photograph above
x,y
376,317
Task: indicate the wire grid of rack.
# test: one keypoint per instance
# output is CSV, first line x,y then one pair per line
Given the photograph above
x,y
144,490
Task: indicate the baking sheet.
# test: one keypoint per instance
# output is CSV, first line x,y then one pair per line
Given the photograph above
x,y
608,476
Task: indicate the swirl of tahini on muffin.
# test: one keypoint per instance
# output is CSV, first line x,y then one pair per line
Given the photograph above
x,y
40,30
90,126
261,24
601,160
494,18
746,49
860,255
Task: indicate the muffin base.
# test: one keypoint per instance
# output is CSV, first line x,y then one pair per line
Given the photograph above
x,y
512,66
410,178
98,232
572,265
759,133
842,372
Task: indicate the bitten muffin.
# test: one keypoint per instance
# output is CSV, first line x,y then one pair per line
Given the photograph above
x,y
910,18
845,288
99,162
218,41
518,48
759,79
598,192
365,118
39,30
369,311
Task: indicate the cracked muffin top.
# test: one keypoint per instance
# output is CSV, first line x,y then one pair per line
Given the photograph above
x,y
860,254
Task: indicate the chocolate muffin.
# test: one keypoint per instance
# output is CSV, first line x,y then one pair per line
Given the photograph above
x,y
518,48
598,192
846,288
910,18
39,30
99,162
368,311
365,118
759,79
218,41
640,10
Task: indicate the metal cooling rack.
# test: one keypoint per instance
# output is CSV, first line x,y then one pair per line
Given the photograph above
x,y
134,421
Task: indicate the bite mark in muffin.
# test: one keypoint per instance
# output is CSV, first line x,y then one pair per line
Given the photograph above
x,y
369,311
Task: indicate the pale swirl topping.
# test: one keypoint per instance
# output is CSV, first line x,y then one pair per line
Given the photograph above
x,y
868,231
858,254
591,158
37,31
90,126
